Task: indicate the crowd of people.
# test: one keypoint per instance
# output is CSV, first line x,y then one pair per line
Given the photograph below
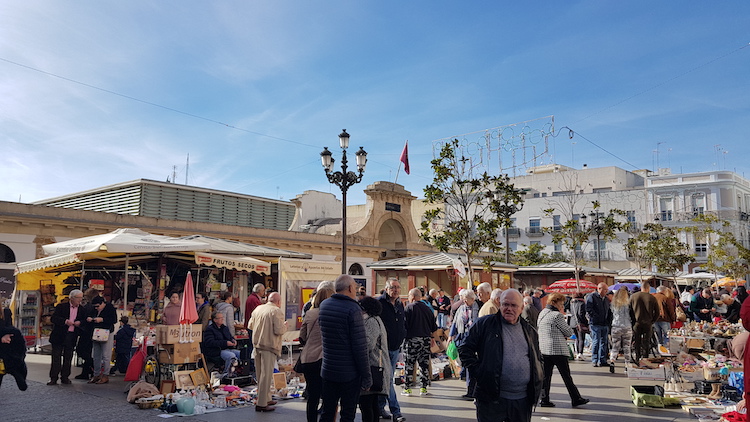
x,y
509,342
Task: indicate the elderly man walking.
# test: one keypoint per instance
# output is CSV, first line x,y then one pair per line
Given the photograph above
x,y
420,324
268,327
600,318
346,366
502,353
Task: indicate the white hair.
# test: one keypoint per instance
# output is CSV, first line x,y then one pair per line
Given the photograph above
x,y
258,287
343,282
415,293
495,295
485,287
466,294
528,300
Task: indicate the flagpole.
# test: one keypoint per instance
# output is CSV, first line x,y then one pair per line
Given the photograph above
x,y
397,171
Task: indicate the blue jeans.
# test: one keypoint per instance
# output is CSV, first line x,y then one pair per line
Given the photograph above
x,y
662,328
227,355
599,344
392,401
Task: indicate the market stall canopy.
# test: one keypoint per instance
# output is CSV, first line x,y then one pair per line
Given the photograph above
x,y
434,261
569,287
728,282
127,240
702,276
233,247
232,262
47,262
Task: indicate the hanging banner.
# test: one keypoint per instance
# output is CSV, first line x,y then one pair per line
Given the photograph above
x,y
232,262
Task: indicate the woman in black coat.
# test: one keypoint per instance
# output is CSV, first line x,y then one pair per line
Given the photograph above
x,y
103,316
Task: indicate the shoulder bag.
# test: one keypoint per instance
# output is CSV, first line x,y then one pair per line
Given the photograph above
x,y
101,335
377,371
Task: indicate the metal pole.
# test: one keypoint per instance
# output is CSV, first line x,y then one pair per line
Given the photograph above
x,y
507,245
598,247
343,231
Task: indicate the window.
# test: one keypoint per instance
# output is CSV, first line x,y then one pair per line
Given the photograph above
x,y
513,246
6,254
701,250
602,244
356,269
557,246
665,209
535,226
556,226
563,193
630,215
534,242
698,201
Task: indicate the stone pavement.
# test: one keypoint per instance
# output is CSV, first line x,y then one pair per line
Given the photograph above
x,y
609,394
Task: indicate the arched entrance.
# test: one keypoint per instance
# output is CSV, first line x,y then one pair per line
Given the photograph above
x,y
392,237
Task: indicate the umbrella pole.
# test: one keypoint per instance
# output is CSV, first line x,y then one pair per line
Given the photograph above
x,y
83,273
125,288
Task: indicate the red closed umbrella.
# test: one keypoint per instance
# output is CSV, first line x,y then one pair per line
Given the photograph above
x,y
188,312
568,287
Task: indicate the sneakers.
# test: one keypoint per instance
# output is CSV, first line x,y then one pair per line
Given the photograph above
x,y
579,356
399,418
423,392
406,392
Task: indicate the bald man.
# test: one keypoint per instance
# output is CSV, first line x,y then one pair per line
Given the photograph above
x,y
268,325
600,318
502,353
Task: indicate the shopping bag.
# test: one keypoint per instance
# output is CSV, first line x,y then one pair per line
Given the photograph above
x,y
101,335
452,351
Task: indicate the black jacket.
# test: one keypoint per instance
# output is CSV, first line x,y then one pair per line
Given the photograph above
x,y
482,354
420,322
62,313
394,321
733,312
215,339
124,339
342,329
109,316
597,310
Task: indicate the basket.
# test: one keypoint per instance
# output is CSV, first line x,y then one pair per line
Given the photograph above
x,y
149,404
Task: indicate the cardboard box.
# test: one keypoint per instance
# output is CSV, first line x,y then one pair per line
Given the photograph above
x,y
279,380
692,376
646,373
170,334
695,343
179,353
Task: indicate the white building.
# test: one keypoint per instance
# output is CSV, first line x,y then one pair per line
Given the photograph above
x,y
671,199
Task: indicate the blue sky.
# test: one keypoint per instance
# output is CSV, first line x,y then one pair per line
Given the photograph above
x,y
99,92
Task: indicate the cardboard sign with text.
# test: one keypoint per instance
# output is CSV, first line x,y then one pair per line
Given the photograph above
x,y
170,334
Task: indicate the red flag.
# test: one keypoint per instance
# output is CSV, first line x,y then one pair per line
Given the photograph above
x,y
405,157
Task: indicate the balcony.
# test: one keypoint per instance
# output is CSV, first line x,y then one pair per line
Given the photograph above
x,y
514,232
535,231
603,255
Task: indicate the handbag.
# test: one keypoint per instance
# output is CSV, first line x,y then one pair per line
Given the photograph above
x,y
681,315
101,335
2,367
452,350
583,329
298,366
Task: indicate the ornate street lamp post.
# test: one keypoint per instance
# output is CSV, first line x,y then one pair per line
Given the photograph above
x,y
343,179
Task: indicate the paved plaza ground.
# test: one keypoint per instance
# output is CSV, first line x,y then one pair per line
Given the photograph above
x,y
609,394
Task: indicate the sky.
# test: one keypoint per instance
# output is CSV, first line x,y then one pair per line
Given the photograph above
x,y
94,93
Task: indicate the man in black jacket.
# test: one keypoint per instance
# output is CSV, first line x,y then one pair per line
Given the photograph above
x,y
599,316
420,324
346,365
67,320
395,326
502,353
